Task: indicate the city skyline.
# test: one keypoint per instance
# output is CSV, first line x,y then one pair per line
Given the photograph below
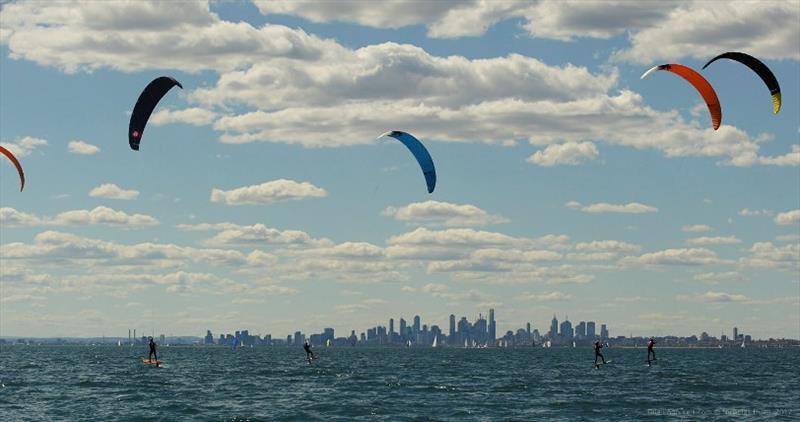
x,y
262,194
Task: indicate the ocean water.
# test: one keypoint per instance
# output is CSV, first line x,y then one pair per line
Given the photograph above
x,y
217,383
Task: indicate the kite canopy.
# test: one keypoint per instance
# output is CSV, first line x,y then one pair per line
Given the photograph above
x,y
420,153
147,101
700,84
761,70
14,160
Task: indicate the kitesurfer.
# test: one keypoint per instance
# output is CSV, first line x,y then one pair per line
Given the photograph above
x,y
650,344
309,353
152,353
597,354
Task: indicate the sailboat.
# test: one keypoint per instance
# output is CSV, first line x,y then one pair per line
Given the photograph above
x,y
408,344
742,344
573,344
328,343
434,341
465,343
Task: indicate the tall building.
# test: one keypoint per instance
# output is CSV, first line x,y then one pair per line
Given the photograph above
x,y
735,333
417,325
452,334
580,330
402,329
590,333
528,328
209,339
566,329
492,327
603,332
553,327
391,327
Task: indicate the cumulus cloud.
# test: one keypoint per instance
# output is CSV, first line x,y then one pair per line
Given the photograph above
x,y
83,148
607,246
133,36
767,255
258,234
603,207
716,240
569,153
98,215
696,228
765,29
10,217
22,147
193,116
443,213
546,296
692,256
722,297
788,217
102,215
268,192
719,277
112,191
754,213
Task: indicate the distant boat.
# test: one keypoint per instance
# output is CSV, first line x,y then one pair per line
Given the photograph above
x,y
548,344
573,344
408,344
742,344
434,341
465,343
119,343
328,343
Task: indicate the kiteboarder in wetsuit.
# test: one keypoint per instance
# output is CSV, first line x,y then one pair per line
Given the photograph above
x,y
309,353
597,354
650,344
152,353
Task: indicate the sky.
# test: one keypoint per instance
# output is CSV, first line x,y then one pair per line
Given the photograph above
x,y
261,199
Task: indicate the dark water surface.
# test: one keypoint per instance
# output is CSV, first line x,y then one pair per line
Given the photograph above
x,y
216,383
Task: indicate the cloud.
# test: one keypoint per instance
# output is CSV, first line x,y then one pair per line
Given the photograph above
x,y
134,36
22,147
603,207
443,213
546,296
717,240
193,116
692,256
766,255
788,218
607,246
258,234
268,192
80,147
103,215
10,217
722,297
569,153
754,213
719,277
764,29
98,215
696,228
112,191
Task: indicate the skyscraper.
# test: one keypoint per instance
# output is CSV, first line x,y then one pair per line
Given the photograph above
x,y
566,330
553,327
735,333
416,324
452,334
590,333
603,332
580,330
402,328
391,327
492,327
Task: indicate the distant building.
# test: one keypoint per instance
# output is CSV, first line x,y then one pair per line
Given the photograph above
x,y
603,332
492,328
580,330
590,332
553,327
566,330
209,339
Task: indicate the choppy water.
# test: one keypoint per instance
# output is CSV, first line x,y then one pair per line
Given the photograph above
x,y
111,383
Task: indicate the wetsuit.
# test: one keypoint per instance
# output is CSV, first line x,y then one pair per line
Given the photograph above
x,y
152,353
650,350
597,354
309,353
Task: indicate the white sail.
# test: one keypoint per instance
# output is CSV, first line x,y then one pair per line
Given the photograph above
x,y
434,341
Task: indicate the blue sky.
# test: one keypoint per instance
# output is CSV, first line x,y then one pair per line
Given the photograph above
x,y
261,200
